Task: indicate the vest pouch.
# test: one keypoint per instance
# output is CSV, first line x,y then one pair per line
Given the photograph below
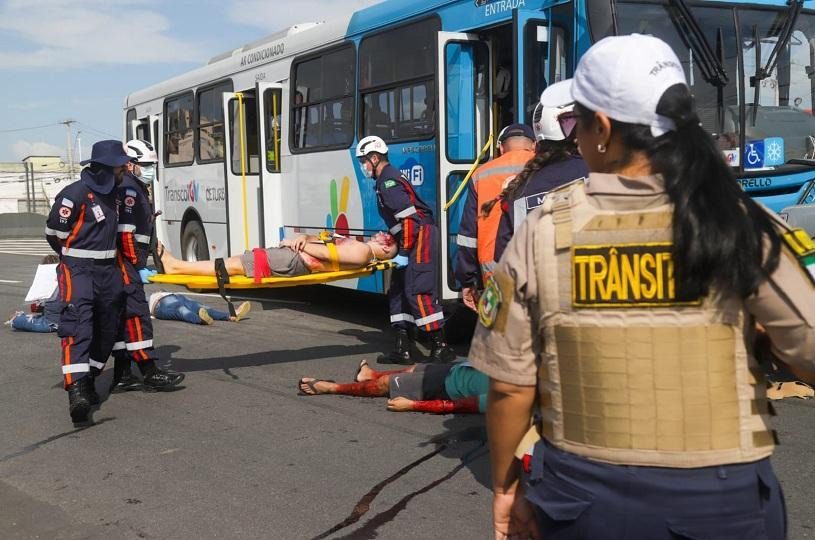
x,y
68,321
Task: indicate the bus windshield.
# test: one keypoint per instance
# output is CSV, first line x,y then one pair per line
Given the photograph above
x,y
779,126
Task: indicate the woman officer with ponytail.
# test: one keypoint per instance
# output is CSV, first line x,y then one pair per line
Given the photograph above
x,y
622,319
556,162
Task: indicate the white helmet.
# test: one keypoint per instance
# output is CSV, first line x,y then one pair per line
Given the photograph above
x,y
545,123
369,144
141,151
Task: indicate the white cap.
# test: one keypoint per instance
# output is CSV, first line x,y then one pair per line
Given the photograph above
x,y
369,144
545,123
623,77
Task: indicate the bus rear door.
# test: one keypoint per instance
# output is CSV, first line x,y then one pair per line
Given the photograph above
x,y
464,112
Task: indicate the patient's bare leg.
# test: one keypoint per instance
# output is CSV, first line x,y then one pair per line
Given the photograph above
x,y
234,267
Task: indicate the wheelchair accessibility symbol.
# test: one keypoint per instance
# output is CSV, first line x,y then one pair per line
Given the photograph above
x,y
754,155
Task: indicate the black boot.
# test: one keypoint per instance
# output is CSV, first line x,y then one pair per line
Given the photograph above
x,y
79,400
440,351
401,351
158,380
123,378
93,397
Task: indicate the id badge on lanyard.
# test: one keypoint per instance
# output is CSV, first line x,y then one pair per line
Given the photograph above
x,y
98,213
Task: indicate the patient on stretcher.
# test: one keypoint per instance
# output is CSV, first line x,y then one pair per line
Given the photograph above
x,y
304,254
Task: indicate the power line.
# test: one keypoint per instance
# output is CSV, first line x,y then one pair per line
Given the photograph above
x,y
91,128
28,128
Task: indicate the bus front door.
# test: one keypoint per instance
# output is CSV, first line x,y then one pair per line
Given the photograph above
x,y
244,191
270,114
464,117
531,31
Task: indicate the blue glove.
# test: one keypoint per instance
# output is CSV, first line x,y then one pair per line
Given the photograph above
x,y
401,261
145,273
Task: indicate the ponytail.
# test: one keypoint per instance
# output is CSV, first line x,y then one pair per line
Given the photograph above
x,y
719,232
546,153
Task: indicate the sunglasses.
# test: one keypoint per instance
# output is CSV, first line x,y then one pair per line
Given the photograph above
x,y
567,122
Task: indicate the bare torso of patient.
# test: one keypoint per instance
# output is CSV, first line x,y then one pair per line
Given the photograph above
x,y
351,254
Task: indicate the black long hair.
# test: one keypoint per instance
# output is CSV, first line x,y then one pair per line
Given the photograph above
x,y
546,153
722,239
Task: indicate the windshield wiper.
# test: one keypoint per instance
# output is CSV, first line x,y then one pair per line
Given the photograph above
x,y
784,36
709,64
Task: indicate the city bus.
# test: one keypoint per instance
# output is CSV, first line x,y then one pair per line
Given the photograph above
x,y
259,143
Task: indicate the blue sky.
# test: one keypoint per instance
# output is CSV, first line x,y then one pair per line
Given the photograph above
x,y
78,59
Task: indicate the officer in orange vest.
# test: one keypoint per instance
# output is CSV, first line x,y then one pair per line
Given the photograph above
x,y
476,235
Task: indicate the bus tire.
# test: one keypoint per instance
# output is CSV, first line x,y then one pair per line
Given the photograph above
x,y
194,242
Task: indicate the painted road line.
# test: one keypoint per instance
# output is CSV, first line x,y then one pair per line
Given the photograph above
x,y
9,281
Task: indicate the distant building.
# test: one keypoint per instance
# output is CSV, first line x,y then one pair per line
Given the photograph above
x,y
51,174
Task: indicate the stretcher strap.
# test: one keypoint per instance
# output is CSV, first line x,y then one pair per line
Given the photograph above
x,y
223,278
262,269
332,256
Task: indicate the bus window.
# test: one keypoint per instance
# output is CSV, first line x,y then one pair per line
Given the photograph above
x,y
397,69
466,104
210,123
250,136
271,105
143,131
536,50
130,117
322,104
178,142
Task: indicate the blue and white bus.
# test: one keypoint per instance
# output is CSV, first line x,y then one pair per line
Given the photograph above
x,y
260,141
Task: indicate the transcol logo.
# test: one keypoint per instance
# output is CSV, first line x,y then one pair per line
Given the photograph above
x,y
189,193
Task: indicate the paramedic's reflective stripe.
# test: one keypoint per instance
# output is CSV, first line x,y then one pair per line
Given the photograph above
x,y
467,241
88,253
139,345
76,368
59,234
97,365
396,229
488,267
409,211
402,317
430,318
126,228
119,346
142,238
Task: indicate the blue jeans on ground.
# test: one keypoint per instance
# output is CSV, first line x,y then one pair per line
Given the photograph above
x,y
33,322
177,307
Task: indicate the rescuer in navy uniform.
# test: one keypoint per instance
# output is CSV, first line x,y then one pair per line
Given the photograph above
x,y
413,293
135,338
81,228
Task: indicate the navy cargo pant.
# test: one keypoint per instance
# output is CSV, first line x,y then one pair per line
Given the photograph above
x,y
91,291
414,291
135,336
578,498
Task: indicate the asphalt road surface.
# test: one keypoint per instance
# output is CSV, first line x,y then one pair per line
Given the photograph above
x,y
237,453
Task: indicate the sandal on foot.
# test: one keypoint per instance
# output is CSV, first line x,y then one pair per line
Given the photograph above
x,y
311,385
362,364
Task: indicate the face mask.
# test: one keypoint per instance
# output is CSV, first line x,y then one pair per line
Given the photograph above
x,y
367,170
148,174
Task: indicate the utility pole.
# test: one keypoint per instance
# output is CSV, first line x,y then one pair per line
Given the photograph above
x,y
69,138
79,145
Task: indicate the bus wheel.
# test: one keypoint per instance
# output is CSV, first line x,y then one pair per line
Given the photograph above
x,y
194,242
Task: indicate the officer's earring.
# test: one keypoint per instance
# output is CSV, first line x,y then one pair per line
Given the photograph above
x,y
601,148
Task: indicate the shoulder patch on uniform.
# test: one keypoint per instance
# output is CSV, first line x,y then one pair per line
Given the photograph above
x,y
493,306
803,247
390,183
489,303
67,202
131,192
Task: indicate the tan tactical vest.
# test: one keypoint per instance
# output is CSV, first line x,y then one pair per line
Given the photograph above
x,y
628,375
